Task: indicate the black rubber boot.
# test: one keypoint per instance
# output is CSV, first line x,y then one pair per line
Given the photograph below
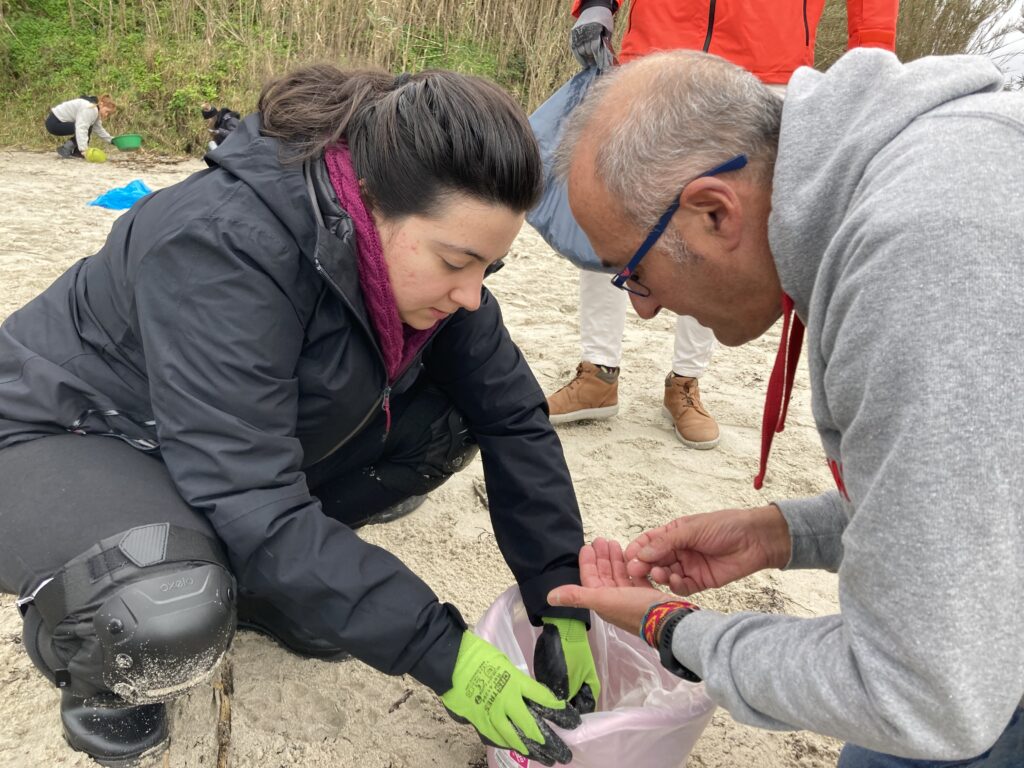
x,y
258,615
67,149
113,736
395,511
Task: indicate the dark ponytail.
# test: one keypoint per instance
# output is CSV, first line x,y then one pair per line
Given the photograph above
x,y
414,139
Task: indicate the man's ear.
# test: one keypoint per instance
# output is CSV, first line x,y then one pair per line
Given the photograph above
x,y
714,212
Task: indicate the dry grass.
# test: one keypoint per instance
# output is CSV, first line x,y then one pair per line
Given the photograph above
x,y
523,45
164,57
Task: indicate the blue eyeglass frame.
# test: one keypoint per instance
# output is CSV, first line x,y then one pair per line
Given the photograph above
x,y
621,278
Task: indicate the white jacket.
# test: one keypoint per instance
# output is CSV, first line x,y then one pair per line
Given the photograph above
x,y
85,115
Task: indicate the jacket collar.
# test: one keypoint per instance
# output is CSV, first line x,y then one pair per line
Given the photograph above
x,y
334,255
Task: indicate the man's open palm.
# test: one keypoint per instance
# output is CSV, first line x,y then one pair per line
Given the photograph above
x,y
607,589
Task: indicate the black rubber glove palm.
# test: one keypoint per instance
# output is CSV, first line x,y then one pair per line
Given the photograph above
x,y
562,660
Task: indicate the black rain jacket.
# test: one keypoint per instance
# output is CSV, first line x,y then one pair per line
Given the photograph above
x,y
222,325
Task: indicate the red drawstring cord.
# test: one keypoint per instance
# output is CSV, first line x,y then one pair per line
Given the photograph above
x,y
780,385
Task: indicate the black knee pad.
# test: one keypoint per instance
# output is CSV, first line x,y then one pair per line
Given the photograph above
x,y
163,635
450,449
148,628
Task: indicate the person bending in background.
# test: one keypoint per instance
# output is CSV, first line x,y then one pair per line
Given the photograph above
x,y
283,347
770,38
219,123
79,118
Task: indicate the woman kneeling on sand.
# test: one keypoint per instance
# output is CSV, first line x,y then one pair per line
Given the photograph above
x,y
80,118
281,348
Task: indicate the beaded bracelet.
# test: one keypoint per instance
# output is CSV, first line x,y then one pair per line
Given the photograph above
x,y
656,614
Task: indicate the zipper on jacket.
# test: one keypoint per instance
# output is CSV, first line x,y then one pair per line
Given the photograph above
x,y
358,428
807,27
386,407
385,400
711,23
387,389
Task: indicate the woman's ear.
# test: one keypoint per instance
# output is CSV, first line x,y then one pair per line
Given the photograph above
x,y
378,218
368,200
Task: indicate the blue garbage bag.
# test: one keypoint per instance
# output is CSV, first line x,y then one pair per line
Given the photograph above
x,y
120,198
552,217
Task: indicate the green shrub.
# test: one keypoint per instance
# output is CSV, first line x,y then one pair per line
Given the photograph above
x,y
160,59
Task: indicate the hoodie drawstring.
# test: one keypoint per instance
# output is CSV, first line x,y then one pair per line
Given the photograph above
x,y
780,385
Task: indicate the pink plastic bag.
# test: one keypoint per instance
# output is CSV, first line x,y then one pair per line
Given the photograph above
x,y
645,716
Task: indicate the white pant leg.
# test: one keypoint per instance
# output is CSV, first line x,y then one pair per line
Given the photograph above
x,y
602,319
694,347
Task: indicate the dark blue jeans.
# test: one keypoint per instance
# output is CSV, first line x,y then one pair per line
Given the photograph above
x,y
1007,752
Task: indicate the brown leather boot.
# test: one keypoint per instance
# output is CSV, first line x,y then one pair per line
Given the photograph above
x,y
593,394
695,427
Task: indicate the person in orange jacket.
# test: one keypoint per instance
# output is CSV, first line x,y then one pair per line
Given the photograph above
x,y
768,38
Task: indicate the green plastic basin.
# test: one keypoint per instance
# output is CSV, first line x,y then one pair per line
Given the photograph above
x,y
127,142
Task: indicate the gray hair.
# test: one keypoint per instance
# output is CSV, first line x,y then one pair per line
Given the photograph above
x,y
689,112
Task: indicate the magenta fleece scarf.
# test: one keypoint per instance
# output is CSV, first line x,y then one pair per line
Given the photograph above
x,y
399,342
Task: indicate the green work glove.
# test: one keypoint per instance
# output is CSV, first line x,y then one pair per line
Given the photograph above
x,y
508,708
563,662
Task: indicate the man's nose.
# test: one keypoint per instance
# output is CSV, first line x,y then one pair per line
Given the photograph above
x,y
645,306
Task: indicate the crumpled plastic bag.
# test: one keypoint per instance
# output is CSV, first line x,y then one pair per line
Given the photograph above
x,y
552,217
120,198
645,716
95,155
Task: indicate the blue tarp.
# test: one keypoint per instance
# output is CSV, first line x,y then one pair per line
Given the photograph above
x,y
124,197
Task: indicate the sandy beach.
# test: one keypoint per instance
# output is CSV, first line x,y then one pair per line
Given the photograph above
x,y
267,708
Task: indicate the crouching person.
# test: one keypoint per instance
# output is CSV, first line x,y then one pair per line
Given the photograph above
x,y
261,359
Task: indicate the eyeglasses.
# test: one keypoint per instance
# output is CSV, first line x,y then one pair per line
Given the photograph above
x,y
624,279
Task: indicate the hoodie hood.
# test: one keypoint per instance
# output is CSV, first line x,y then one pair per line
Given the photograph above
x,y
833,126
255,159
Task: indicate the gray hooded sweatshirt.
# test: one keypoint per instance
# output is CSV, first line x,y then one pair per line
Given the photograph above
x,y
897,228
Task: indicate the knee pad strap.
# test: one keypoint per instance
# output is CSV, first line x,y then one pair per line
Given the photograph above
x,y
75,584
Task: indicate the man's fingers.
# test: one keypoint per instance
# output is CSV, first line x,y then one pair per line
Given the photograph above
x,y
611,565
589,576
638,571
657,552
645,539
604,562
663,544
620,574
572,596
636,545
599,599
661,575
683,585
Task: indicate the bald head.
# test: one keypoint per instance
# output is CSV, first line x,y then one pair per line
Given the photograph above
x,y
650,125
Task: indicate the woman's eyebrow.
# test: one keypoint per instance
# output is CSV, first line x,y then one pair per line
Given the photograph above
x,y
462,249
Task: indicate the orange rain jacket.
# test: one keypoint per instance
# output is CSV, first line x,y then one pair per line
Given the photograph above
x,y
770,38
